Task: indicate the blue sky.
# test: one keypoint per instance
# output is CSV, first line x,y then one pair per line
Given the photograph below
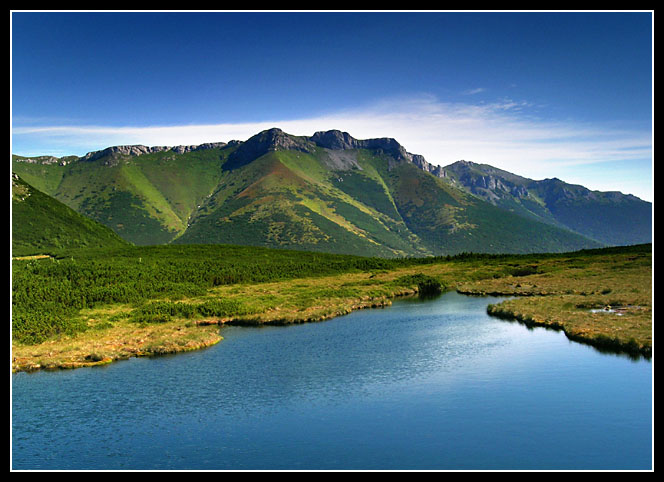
x,y
540,94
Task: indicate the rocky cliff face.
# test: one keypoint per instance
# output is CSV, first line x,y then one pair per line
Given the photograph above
x,y
138,150
337,140
422,163
486,181
46,160
332,140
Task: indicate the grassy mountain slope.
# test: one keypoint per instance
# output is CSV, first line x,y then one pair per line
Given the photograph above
x,y
146,199
452,221
41,224
611,218
297,194
287,199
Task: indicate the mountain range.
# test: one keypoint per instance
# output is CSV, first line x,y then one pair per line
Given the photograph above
x,y
330,192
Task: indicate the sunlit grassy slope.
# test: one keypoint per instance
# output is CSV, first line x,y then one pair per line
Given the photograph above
x,y
291,199
146,199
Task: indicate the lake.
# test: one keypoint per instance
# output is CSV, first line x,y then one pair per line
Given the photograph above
x,y
420,385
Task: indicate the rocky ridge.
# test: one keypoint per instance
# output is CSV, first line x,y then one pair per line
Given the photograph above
x,y
487,181
268,140
137,150
338,140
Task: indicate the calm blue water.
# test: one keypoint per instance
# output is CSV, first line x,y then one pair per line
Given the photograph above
x,y
419,385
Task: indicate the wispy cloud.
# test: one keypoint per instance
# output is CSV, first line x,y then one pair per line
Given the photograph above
x,y
504,134
478,90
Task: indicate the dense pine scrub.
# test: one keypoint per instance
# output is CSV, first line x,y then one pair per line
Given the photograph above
x,y
426,285
48,293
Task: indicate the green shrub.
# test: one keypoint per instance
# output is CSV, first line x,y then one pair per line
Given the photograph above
x,y
164,311
524,270
426,285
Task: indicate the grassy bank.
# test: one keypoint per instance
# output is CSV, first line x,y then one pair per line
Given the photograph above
x,y
89,308
603,298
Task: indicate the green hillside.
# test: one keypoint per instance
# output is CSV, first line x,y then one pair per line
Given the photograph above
x,y
146,200
288,199
609,217
452,221
40,224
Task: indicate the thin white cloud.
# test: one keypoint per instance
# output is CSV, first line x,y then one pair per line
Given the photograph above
x,y
501,134
478,90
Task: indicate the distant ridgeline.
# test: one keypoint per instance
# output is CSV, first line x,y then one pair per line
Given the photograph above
x,y
329,193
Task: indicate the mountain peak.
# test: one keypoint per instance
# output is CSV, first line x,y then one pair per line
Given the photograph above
x,y
468,170
265,141
272,133
463,163
334,139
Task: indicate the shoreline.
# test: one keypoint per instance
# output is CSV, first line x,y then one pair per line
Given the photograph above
x,y
602,343
564,293
92,360
187,327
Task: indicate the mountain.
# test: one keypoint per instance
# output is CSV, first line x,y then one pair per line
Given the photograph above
x,y
611,218
144,194
41,224
327,192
